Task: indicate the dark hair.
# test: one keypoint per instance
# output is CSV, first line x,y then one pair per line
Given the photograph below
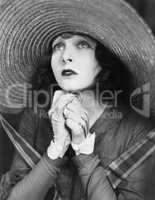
x,y
43,74
113,76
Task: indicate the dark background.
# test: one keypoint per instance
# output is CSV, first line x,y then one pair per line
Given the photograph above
x,y
146,8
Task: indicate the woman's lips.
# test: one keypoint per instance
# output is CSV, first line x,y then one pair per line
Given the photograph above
x,y
68,72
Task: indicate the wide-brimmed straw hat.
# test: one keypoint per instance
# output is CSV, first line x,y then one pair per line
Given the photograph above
x,y
28,26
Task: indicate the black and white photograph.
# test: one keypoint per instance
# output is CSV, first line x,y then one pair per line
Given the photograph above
x,y
77,99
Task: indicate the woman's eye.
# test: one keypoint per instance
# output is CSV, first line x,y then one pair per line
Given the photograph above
x,y
83,44
58,46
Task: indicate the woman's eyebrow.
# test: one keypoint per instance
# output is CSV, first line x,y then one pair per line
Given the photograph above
x,y
89,40
59,39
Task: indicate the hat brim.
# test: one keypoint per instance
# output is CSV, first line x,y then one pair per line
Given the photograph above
x,y
28,26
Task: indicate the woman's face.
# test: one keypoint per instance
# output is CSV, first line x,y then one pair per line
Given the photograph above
x,y
73,62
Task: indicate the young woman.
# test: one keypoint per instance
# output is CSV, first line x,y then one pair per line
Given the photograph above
x,y
89,125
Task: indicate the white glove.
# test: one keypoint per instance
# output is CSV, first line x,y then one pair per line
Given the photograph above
x,y
59,146
87,145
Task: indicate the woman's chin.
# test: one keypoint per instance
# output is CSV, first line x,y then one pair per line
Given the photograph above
x,y
76,87
71,89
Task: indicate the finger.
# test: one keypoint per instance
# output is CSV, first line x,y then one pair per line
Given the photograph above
x,y
75,104
74,116
57,95
60,100
63,100
77,115
80,124
75,128
76,110
74,107
86,126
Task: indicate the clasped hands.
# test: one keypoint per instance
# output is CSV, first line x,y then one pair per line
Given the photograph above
x,y
70,123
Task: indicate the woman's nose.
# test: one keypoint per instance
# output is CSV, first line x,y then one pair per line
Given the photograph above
x,y
67,56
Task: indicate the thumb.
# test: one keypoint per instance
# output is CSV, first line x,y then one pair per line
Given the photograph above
x,y
57,95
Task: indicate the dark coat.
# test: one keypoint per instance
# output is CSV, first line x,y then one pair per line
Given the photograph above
x,y
116,131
